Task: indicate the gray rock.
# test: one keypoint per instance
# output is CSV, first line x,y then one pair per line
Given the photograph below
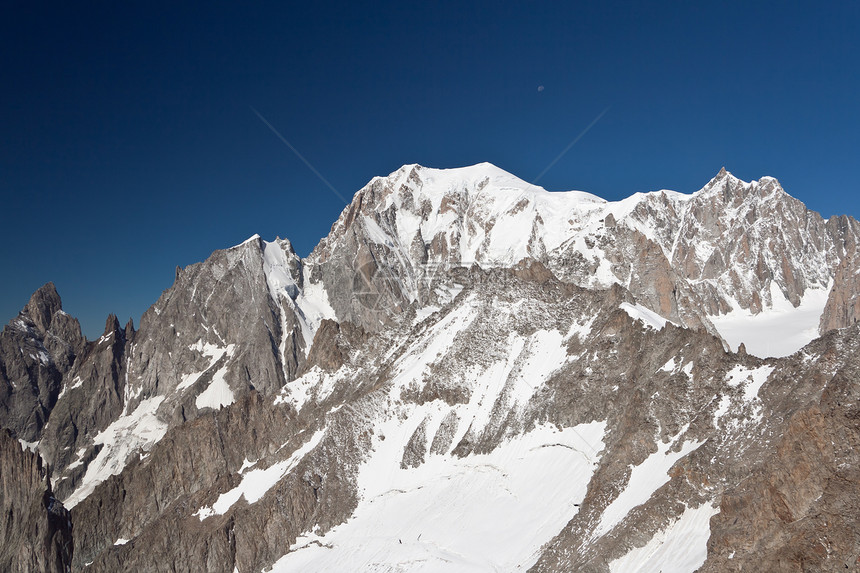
x,y
36,530
36,350
241,366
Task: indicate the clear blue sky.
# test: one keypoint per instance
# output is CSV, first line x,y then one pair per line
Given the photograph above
x,y
128,145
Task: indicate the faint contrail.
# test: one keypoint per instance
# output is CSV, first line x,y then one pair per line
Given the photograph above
x,y
569,145
300,156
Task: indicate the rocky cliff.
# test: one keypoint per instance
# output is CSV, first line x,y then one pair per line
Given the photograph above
x,y
36,350
465,347
36,530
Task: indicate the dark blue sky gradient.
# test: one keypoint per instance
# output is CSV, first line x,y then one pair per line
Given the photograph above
x,y
128,145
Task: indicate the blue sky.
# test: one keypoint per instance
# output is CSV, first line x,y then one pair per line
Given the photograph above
x,y
128,144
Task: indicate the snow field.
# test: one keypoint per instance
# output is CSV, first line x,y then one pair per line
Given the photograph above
x,y
778,331
681,547
479,513
128,435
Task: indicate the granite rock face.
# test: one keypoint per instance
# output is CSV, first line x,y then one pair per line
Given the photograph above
x,y
459,335
843,303
93,397
36,350
36,530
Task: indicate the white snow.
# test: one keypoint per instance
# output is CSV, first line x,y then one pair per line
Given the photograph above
x,y
76,383
435,342
25,445
314,307
424,312
681,547
752,378
376,233
757,379
247,464
544,353
487,384
256,483
455,514
254,237
315,385
129,434
648,317
213,353
121,541
722,409
645,479
688,370
491,216
580,330
217,394
277,269
777,331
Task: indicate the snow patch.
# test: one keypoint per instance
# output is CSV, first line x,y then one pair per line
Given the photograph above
x,y
277,270
753,379
211,351
780,330
722,409
256,483
254,237
314,305
580,330
247,464
218,394
648,317
129,434
315,385
688,370
645,479
681,547
25,445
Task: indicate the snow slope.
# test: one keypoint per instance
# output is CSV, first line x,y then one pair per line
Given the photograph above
x,y
780,330
645,479
130,434
682,547
480,513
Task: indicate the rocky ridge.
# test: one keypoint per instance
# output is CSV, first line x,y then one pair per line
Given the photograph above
x,y
452,322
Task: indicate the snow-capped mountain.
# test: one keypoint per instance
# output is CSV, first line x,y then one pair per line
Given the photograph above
x,y
468,373
730,248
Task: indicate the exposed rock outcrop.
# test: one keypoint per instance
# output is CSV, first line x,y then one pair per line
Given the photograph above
x,y
94,396
843,303
35,530
460,335
36,350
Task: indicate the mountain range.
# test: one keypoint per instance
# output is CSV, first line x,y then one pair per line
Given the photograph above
x,y
469,373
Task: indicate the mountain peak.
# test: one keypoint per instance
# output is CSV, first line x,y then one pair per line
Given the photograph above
x,y
111,325
42,306
724,175
483,174
456,319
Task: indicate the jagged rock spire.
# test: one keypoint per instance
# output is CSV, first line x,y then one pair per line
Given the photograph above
x,y
112,325
42,306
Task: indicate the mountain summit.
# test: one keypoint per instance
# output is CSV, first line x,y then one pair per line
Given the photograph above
x,y
468,373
